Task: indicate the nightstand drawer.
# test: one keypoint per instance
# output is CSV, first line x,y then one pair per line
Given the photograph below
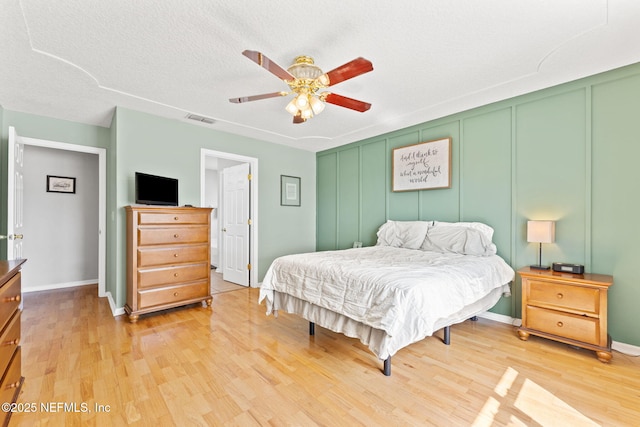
x,y
576,299
579,328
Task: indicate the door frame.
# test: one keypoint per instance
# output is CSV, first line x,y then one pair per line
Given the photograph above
x,y
253,202
102,196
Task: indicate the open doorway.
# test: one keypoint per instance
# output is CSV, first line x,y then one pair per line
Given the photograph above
x,y
231,250
16,210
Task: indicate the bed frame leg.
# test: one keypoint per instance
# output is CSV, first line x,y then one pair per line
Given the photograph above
x,y
474,319
387,366
312,328
447,335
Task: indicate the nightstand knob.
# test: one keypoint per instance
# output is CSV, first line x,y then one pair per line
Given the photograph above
x,y
175,294
559,295
560,324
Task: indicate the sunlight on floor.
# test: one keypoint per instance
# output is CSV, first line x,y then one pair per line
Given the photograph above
x,y
533,401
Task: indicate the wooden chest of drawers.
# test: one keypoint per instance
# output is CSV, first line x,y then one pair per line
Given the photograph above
x,y
570,308
168,258
11,378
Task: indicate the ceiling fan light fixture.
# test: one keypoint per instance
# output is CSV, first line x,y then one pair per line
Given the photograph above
x,y
292,108
316,105
304,68
302,100
306,113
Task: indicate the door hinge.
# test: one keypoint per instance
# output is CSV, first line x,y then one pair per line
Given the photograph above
x,y
248,266
249,177
249,221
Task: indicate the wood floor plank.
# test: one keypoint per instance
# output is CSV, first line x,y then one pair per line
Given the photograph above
x,y
233,365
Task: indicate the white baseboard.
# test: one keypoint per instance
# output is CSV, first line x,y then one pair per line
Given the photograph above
x,y
53,286
116,311
500,318
628,349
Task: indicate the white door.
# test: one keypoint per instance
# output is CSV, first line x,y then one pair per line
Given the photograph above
x,y
235,224
15,192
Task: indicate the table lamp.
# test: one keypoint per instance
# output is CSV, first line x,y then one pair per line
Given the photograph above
x,y
541,232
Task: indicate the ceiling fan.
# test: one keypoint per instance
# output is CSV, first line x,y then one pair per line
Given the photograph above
x,y
305,80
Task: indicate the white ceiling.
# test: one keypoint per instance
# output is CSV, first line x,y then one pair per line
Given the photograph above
x,y
78,59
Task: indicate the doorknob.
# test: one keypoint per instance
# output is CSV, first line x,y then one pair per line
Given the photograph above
x,y
12,236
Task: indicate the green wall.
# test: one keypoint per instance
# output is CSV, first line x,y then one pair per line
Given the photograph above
x,y
141,142
151,144
567,153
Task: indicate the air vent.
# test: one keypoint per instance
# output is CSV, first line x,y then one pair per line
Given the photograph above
x,y
197,118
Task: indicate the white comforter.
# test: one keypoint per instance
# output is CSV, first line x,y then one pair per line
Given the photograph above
x,y
384,287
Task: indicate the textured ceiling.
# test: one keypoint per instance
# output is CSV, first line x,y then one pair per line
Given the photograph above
x,y
79,59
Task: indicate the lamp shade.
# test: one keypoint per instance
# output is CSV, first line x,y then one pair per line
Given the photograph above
x,y
541,231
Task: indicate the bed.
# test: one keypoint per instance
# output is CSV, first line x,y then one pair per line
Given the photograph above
x,y
420,277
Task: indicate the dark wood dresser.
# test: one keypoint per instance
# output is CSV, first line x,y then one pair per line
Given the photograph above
x,y
10,356
168,258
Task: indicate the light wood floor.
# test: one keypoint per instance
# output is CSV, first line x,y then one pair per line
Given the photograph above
x,y
233,365
219,285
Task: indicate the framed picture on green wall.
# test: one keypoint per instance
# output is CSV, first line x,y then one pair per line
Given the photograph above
x,y
422,166
289,190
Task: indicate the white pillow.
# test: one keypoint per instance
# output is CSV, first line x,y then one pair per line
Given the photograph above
x,y
483,228
460,239
402,234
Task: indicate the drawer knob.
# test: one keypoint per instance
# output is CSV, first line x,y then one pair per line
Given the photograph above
x,y
12,342
175,294
560,296
175,255
175,274
16,298
176,235
560,324
14,385
175,218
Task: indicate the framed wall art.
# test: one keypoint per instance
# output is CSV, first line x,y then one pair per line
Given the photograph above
x,y
61,184
289,190
422,166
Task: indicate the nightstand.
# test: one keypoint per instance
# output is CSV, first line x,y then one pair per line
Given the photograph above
x,y
565,307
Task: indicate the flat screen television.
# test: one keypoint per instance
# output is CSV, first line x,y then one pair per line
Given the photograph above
x,y
156,190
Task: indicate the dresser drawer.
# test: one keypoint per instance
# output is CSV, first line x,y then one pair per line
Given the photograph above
x,y
12,378
150,277
172,294
567,297
173,218
172,235
579,328
9,341
10,295
174,255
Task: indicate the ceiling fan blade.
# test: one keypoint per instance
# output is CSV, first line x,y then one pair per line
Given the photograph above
x,y
298,118
268,64
349,70
343,101
257,97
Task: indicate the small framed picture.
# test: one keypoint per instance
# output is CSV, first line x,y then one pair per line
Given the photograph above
x,y
289,190
61,184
